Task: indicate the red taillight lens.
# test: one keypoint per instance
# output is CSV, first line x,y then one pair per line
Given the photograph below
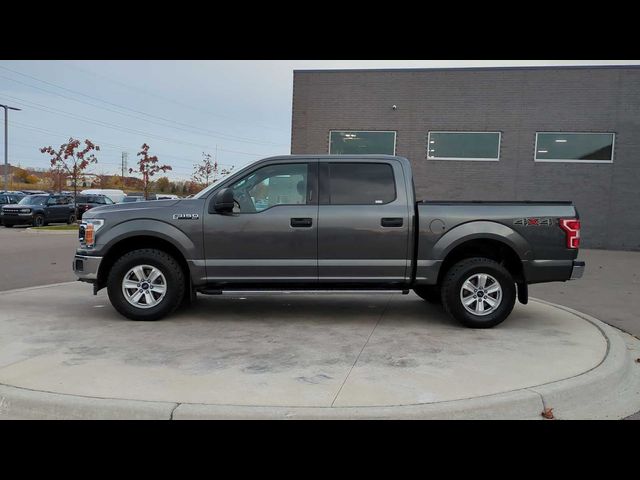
x,y
571,226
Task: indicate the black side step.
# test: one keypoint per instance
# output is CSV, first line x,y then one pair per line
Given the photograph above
x,y
210,291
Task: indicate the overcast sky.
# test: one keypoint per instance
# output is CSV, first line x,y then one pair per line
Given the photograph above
x,y
180,108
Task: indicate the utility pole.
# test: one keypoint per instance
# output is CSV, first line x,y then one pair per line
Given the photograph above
x,y
6,143
125,155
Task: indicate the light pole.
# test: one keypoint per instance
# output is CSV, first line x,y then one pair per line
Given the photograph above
x,y
6,143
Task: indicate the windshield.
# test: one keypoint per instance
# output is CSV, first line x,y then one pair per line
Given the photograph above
x,y
33,200
205,192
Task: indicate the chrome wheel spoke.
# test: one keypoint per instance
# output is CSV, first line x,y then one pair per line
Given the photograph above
x,y
482,280
148,298
139,273
491,301
468,286
130,284
469,300
137,296
158,288
493,288
155,273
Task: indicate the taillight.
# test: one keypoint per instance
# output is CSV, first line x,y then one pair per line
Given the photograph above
x,y
571,227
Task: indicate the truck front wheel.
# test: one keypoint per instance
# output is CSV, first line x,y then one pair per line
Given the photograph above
x,y
478,292
146,284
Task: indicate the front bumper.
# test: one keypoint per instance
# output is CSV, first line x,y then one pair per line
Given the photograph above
x,y
19,219
577,270
86,267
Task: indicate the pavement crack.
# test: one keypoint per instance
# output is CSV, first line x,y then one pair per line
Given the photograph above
x,y
173,410
384,310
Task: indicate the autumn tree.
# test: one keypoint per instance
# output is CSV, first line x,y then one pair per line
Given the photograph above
x,y
163,184
24,176
206,172
72,160
148,167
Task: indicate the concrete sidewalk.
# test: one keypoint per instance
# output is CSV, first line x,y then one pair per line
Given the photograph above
x,y
305,356
609,289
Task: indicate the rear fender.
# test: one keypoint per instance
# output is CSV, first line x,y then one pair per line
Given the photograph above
x,y
481,230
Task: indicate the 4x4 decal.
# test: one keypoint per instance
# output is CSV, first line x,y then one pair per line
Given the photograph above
x,y
533,222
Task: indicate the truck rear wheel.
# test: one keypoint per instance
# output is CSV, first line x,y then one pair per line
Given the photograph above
x,y
430,293
478,292
146,284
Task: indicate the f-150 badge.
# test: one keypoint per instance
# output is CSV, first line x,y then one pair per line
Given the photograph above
x,y
186,216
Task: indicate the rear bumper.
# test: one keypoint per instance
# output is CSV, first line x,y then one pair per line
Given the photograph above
x,y
86,267
578,270
542,271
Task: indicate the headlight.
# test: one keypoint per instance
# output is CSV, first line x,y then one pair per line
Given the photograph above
x,y
88,229
96,222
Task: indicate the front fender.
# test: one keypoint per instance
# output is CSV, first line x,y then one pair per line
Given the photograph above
x,y
146,227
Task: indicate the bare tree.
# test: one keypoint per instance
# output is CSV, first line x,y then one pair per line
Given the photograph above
x,y
148,167
206,172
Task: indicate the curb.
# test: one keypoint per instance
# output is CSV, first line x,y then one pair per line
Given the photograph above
x,y
609,390
51,232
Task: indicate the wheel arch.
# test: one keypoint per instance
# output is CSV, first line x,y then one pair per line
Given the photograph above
x,y
135,242
483,239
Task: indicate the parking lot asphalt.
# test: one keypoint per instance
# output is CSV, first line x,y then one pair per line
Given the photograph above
x,y
29,259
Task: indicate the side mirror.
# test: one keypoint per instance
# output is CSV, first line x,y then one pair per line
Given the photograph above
x,y
222,202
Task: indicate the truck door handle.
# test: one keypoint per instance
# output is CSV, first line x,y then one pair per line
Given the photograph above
x,y
391,222
301,222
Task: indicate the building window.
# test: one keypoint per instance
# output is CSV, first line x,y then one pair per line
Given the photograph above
x,y
481,146
574,147
362,142
361,184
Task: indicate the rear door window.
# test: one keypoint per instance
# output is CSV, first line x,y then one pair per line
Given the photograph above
x,y
361,184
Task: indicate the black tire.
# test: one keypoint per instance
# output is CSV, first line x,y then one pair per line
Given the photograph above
x,y
175,284
71,219
465,269
9,226
38,221
430,293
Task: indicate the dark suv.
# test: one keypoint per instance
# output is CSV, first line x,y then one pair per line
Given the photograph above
x,y
39,210
7,198
87,202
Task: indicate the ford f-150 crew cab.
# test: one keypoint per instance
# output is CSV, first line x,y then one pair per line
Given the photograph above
x,y
320,222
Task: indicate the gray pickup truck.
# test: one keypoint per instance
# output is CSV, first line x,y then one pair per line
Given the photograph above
x,y
339,222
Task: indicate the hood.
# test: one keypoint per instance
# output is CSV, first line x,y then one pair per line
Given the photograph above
x,y
130,207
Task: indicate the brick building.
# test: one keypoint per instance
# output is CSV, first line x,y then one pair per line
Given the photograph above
x,y
535,133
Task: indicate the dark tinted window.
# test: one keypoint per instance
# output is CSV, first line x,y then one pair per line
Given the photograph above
x,y
83,199
362,143
361,184
463,145
568,147
34,200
